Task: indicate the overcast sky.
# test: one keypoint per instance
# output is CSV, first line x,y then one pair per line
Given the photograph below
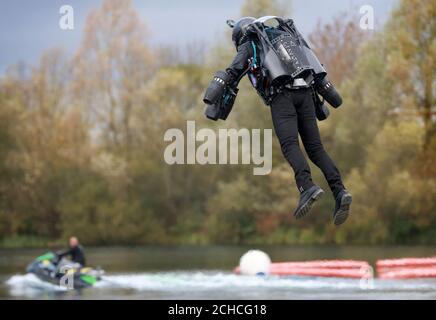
x,y
27,28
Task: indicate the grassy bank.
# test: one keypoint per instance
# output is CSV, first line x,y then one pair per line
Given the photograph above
x,y
30,242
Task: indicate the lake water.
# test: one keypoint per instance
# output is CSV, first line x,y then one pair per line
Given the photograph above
x,y
206,273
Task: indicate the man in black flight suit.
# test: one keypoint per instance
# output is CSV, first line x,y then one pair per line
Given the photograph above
x,y
293,113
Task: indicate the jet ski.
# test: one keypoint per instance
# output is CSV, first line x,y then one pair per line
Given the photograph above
x,y
63,272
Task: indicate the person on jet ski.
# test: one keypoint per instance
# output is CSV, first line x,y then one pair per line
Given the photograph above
x,y
75,252
293,112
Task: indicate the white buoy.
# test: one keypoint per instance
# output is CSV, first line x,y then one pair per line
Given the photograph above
x,y
254,262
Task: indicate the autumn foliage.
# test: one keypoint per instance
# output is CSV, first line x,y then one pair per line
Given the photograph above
x,y
81,140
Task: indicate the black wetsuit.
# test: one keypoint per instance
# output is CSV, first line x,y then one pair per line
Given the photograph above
x,y
77,255
293,113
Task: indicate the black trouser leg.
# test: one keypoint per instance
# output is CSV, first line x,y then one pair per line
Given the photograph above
x,y
309,133
284,117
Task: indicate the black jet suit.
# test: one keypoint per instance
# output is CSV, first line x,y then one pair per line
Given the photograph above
x,y
293,113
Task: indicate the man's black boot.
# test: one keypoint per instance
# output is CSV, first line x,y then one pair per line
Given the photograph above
x,y
342,209
307,198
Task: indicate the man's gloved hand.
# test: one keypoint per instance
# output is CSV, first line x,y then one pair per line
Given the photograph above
x,y
322,112
216,88
218,97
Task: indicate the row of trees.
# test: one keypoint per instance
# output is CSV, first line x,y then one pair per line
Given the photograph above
x,y
81,140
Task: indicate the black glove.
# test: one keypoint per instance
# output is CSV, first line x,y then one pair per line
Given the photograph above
x,y
219,97
216,88
321,110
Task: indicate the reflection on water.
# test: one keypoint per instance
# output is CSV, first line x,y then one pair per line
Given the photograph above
x,y
205,273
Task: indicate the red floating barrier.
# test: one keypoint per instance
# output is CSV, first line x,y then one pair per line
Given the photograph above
x,y
329,264
407,262
406,268
409,273
321,268
322,272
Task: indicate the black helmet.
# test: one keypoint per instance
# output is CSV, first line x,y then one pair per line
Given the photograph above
x,y
240,29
